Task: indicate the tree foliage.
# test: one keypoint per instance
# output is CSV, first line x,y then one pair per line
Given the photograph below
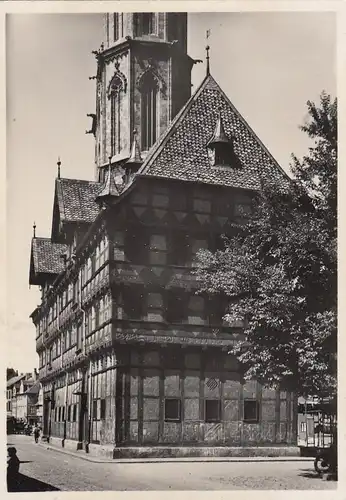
x,y
279,270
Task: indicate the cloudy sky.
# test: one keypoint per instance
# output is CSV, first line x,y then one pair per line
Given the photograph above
x,y
269,65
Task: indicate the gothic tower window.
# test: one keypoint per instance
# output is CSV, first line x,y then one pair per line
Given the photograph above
x,y
116,26
145,23
116,95
149,95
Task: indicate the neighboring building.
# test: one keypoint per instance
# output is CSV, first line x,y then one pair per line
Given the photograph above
x,y
17,400
129,355
317,421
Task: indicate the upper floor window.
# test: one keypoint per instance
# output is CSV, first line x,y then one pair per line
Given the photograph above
x,y
149,94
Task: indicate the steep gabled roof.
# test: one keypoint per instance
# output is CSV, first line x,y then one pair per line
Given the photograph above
x,y
181,152
76,200
45,259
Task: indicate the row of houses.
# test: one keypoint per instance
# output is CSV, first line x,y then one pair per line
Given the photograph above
x,y
23,398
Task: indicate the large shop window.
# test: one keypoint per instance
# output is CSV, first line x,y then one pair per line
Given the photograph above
x,y
212,410
172,410
251,410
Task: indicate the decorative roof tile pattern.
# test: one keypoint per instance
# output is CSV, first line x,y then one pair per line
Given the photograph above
x,y
76,200
181,152
47,256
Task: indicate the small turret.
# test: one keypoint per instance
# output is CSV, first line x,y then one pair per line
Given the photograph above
x,y
220,147
109,190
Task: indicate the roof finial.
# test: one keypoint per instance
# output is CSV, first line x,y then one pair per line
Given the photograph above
x,y
207,50
58,163
135,159
34,228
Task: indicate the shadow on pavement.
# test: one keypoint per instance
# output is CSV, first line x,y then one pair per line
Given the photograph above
x,y
25,461
26,483
311,474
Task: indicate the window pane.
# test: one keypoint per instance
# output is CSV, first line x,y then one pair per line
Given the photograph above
x,y
212,410
103,409
172,410
250,411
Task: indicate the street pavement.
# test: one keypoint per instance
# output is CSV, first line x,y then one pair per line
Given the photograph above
x,y
47,469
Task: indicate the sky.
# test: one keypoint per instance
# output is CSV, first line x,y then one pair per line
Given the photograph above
x,y
269,65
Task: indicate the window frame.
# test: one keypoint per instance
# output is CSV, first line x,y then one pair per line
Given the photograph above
x,y
207,418
178,418
251,420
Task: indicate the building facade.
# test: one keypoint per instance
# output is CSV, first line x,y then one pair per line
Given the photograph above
x,y
129,354
20,395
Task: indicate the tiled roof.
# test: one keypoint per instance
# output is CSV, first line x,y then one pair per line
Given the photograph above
x,y
34,389
76,200
46,256
181,152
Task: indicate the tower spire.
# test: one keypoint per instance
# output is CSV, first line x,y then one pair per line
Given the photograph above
x,y
207,48
34,230
59,164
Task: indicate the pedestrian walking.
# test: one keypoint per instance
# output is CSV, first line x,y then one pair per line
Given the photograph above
x,y
12,469
36,433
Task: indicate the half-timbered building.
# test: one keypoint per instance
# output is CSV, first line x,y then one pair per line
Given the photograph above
x,y
129,355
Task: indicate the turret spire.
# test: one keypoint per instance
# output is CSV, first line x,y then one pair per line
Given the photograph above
x,y
207,51
34,230
109,189
219,135
135,156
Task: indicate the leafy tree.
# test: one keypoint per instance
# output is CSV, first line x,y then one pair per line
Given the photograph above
x,y
278,270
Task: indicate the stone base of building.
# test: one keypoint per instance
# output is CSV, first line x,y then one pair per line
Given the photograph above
x,y
206,451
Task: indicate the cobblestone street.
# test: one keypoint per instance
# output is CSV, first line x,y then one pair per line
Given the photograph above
x,y
64,472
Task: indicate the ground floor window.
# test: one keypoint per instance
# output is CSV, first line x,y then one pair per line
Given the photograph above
x,y
74,416
172,410
103,409
251,413
212,410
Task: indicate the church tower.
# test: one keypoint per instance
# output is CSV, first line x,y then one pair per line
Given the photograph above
x,y
143,79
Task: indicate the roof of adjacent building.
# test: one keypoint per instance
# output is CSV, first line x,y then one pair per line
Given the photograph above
x,y
34,389
76,200
181,152
14,380
46,256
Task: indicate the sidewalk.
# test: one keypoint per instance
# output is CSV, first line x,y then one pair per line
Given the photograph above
x,y
82,455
